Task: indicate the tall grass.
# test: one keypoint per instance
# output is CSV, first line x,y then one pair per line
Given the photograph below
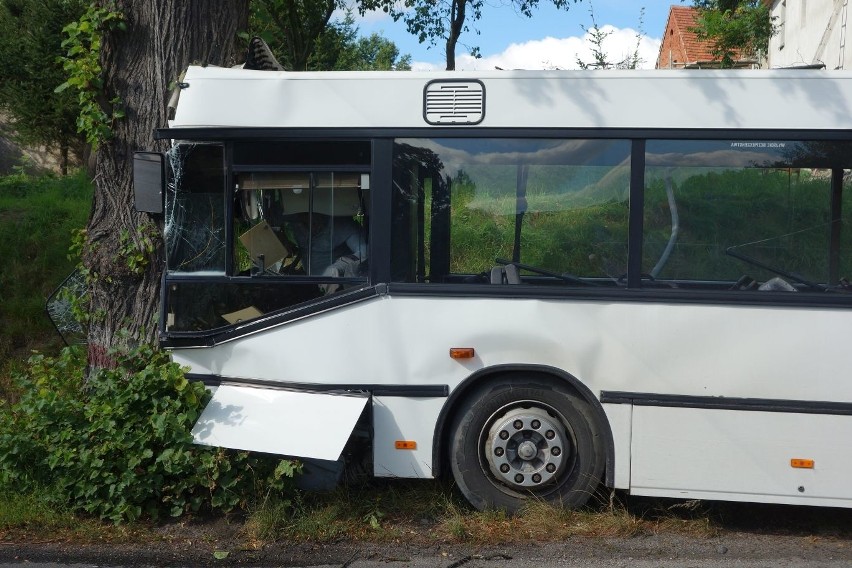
x,y
34,517
781,217
37,217
563,227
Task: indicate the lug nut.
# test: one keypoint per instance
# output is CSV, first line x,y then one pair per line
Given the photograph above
x,y
550,468
555,450
519,478
504,435
518,424
535,424
550,434
504,468
536,478
498,452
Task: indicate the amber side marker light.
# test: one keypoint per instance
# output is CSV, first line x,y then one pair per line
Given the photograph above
x,y
405,445
799,463
461,352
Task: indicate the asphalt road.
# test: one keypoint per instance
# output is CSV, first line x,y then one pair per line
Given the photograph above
x,y
732,549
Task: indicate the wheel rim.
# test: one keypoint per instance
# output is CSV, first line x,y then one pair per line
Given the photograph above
x,y
526,447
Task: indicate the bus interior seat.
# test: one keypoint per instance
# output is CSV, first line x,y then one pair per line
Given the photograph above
x,y
512,274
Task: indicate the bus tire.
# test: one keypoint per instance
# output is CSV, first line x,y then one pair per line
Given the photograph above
x,y
521,440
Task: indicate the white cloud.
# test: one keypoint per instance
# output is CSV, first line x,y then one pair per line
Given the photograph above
x,y
426,66
557,53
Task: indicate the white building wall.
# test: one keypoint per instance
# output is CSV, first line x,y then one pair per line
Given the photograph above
x,y
810,32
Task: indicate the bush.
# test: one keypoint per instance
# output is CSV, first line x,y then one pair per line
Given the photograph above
x,y
118,445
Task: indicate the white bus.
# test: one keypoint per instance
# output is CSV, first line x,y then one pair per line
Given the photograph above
x,y
535,282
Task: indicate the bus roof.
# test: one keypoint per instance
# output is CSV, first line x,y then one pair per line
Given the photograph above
x,y
660,99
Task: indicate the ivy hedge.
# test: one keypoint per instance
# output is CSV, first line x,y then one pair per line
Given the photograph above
x,y
117,444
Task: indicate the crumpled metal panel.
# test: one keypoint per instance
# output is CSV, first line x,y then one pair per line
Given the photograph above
x,y
274,421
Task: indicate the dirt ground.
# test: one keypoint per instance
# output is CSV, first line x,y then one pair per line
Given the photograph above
x,y
36,159
744,535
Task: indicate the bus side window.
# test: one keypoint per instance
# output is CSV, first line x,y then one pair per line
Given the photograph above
x,y
557,209
761,216
312,224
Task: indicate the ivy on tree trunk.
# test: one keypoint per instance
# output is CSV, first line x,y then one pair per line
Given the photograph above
x,y
140,63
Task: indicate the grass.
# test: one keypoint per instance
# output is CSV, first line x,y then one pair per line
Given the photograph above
x,y
37,217
422,513
433,512
37,519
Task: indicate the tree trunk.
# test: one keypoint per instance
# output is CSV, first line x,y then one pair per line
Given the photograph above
x,y
457,16
63,158
139,64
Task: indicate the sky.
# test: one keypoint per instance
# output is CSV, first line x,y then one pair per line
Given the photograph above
x,y
551,39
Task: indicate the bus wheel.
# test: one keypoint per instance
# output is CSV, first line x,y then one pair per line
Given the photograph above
x,y
513,442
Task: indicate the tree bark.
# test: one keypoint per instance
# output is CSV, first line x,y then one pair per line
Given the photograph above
x,y
63,158
161,39
457,16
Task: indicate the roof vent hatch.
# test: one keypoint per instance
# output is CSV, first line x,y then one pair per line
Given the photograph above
x,y
454,102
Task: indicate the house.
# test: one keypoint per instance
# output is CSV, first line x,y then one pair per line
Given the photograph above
x,y
809,33
682,49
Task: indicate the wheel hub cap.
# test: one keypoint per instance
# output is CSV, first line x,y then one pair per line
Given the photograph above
x,y
526,448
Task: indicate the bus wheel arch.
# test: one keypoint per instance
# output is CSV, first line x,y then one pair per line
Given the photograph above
x,y
517,412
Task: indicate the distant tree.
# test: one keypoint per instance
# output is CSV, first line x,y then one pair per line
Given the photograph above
x,y
315,43
339,48
601,59
30,70
446,20
291,28
378,53
734,28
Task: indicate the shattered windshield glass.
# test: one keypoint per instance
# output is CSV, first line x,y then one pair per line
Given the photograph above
x,y
195,209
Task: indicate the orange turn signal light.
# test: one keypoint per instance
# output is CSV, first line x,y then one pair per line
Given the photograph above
x,y
461,352
800,463
405,445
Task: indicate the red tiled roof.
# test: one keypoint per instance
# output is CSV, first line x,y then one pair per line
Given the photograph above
x,y
682,18
680,45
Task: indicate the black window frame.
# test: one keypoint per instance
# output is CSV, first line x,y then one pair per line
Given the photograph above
x,y
380,169
360,287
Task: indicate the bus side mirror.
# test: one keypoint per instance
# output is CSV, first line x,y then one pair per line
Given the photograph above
x,y
149,181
